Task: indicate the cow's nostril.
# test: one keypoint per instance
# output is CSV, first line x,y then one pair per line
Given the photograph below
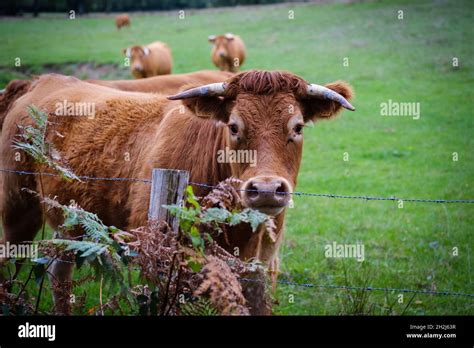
x,y
252,191
281,189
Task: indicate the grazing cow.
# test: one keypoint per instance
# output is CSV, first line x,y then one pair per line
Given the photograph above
x,y
253,111
150,60
122,21
228,51
165,84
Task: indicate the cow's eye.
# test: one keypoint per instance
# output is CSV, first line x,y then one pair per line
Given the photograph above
x,y
234,129
298,129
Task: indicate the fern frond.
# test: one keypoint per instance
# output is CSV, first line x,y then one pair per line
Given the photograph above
x,y
85,248
201,307
95,230
32,141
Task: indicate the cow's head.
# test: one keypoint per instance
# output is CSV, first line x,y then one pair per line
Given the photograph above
x,y
266,112
221,45
137,56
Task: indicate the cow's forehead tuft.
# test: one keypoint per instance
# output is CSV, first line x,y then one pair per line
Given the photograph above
x,y
266,83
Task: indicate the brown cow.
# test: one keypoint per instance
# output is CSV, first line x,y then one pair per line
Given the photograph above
x,y
165,84
263,111
228,51
150,60
122,21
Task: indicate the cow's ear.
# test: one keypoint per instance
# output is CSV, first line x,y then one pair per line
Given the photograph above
x,y
216,108
315,108
211,38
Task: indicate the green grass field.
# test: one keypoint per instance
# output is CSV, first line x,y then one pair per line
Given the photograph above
x,y
408,60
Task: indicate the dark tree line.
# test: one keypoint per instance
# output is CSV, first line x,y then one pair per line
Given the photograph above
x,y
19,7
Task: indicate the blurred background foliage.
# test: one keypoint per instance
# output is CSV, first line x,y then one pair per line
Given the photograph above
x,y
19,7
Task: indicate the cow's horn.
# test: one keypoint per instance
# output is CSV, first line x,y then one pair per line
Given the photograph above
x,y
322,92
211,90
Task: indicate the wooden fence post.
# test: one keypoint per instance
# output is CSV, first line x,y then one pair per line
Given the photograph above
x,y
167,187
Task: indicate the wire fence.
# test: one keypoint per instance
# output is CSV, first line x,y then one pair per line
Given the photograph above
x,y
285,281
314,285
367,288
296,193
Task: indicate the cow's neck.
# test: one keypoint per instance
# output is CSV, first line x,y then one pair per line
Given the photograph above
x,y
210,171
190,143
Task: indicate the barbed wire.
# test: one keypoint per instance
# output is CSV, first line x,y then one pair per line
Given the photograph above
x,y
367,198
83,177
309,285
368,288
306,285
296,193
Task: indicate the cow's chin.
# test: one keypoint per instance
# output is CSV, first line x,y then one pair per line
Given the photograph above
x,y
272,211
269,210
138,74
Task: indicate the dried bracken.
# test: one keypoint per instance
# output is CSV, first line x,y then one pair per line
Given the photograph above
x,y
222,287
164,264
13,304
256,289
176,278
224,195
271,228
154,247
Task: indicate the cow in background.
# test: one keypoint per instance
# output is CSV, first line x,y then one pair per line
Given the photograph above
x,y
122,21
228,51
149,60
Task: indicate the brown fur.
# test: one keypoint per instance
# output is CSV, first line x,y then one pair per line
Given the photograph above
x,y
157,134
122,21
226,51
158,60
166,84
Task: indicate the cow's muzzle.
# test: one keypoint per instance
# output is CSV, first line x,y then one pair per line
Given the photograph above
x,y
268,194
138,68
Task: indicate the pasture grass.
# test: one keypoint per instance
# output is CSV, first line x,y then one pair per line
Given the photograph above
x,y
407,60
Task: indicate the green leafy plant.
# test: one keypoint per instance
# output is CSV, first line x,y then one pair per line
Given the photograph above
x,y
192,217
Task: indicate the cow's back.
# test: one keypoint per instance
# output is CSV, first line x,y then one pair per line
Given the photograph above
x,y
166,84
